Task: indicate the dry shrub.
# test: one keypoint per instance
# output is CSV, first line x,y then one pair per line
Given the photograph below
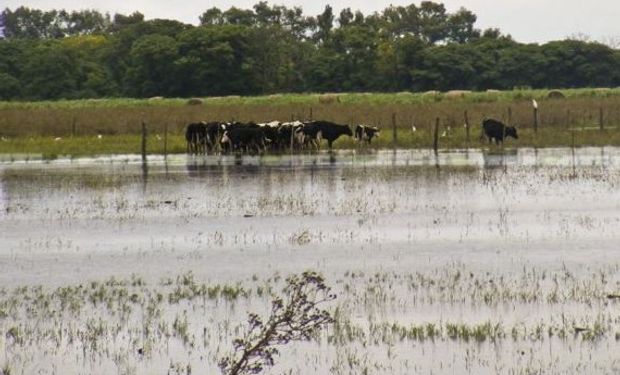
x,y
295,317
555,94
329,99
457,93
195,101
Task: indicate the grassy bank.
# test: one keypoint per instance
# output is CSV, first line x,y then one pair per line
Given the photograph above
x,y
52,148
33,127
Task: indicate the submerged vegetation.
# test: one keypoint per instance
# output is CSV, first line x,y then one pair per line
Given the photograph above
x,y
181,318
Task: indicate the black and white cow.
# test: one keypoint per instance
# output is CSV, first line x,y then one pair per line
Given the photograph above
x,y
214,135
364,133
496,131
289,132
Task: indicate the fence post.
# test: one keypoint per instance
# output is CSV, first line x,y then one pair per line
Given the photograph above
x,y
572,149
536,119
166,140
143,142
436,135
394,135
292,132
466,130
600,119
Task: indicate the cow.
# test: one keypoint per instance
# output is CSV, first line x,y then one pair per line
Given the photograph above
x,y
244,138
213,134
364,133
289,132
196,137
496,131
312,135
329,131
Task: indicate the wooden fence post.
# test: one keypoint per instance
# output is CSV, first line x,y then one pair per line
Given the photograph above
x,y
466,130
292,132
535,119
166,140
394,135
436,136
143,142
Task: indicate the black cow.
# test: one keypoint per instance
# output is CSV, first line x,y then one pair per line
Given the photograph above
x,y
270,133
366,133
329,131
312,135
244,138
196,137
496,131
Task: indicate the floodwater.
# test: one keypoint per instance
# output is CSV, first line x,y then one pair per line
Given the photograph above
x,y
525,240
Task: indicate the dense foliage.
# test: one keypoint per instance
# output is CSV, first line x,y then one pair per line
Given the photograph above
x,y
271,48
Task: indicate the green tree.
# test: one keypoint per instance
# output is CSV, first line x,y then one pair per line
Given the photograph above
x,y
396,60
236,16
461,26
325,23
212,16
151,70
433,21
50,72
216,61
10,87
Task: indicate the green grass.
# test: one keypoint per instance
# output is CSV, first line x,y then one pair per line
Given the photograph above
x,y
314,98
51,148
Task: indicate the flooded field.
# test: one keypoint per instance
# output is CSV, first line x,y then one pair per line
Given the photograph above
x,y
465,262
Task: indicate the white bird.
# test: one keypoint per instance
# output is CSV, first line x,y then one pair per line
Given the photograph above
x,y
99,136
57,139
413,129
535,103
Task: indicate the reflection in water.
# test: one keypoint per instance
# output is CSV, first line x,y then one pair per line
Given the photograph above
x,y
4,197
145,175
496,160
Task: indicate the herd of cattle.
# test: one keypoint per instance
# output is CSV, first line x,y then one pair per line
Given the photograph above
x,y
203,137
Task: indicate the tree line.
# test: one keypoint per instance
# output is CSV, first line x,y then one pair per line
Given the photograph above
x,y
273,49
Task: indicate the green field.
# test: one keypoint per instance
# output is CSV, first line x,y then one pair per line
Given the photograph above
x,y
110,126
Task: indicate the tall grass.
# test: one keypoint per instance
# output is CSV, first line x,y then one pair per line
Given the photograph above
x,y
32,126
